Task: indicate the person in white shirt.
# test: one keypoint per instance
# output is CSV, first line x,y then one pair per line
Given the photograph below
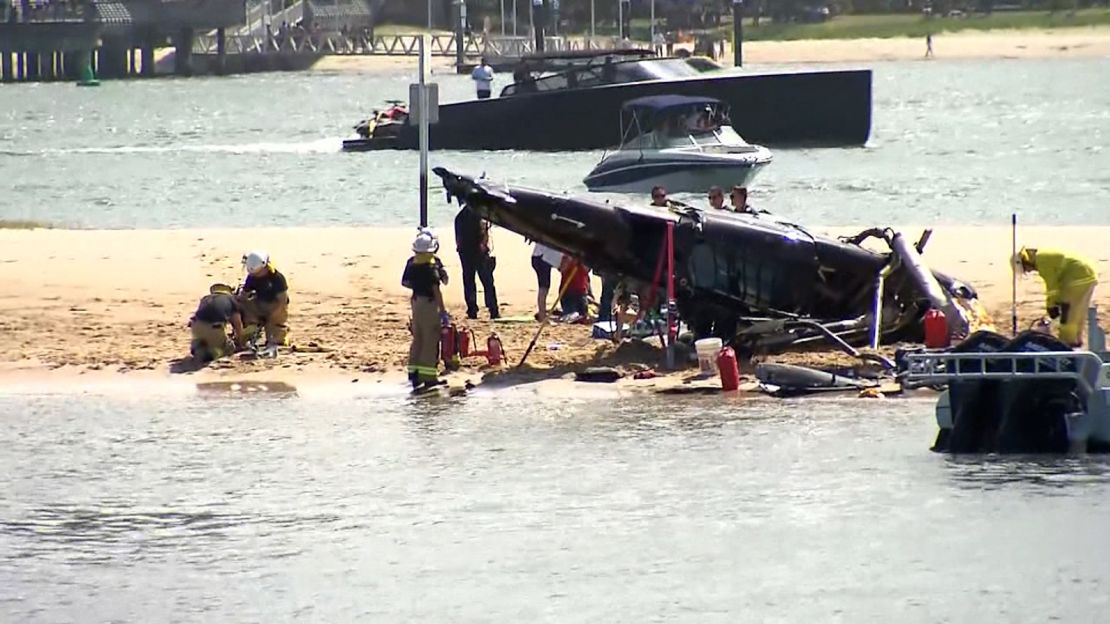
x,y
543,259
483,79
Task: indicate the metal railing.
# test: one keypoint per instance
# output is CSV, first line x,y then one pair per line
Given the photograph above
x,y
1083,367
253,41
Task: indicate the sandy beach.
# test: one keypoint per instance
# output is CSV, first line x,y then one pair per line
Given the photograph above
x,y
990,44
84,304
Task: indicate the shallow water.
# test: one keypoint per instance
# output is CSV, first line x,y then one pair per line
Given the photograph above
x,y
500,508
952,142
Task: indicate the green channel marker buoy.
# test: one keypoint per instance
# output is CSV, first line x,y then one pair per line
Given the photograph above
x,y
88,78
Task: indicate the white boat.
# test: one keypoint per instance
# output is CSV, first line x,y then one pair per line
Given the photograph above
x,y
682,143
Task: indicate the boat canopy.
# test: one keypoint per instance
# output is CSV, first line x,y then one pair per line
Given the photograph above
x,y
671,117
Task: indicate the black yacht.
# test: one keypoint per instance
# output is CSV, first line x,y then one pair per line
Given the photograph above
x,y
573,101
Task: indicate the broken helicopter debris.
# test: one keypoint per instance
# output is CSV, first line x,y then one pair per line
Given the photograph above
x,y
762,284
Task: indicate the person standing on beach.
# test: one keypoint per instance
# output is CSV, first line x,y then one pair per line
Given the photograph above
x,y
472,243
542,263
423,275
265,298
928,45
1069,283
216,310
483,79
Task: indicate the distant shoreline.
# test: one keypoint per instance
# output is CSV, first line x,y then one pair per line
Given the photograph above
x,y
1056,43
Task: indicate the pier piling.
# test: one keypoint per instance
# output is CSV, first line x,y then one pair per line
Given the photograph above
x,y
7,73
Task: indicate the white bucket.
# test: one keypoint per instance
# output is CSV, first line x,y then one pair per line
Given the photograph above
x,y
707,349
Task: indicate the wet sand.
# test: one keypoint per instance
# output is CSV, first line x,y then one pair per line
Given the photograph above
x,y
113,304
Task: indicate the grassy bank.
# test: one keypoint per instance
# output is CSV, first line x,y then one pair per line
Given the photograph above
x,y
899,25
17,224
886,26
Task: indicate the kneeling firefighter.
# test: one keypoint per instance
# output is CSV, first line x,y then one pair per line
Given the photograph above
x,y
216,310
265,298
1069,283
423,275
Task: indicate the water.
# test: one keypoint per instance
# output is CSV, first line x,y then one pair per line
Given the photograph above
x,y
495,508
502,507
953,142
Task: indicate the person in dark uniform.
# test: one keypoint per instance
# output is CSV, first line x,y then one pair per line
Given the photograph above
x,y
472,243
266,298
209,325
423,275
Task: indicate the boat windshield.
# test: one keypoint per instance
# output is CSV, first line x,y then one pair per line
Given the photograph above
x,y
712,137
599,72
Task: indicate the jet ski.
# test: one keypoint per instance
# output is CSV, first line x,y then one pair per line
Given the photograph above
x,y
380,130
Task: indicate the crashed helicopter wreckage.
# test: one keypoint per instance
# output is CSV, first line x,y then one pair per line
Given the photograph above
x,y
762,284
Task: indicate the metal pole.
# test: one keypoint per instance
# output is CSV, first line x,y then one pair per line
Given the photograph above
x,y
514,17
424,67
1014,270
653,24
620,20
429,14
460,33
593,19
671,329
502,18
737,33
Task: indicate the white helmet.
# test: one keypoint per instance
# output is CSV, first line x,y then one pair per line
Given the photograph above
x,y
255,260
426,242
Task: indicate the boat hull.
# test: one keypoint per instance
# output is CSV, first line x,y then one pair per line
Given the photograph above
x,y
804,107
677,176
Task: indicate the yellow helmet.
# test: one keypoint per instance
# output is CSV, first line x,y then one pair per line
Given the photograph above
x,y
220,289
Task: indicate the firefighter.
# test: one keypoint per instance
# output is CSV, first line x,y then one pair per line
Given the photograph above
x,y
1069,283
265,298
424,273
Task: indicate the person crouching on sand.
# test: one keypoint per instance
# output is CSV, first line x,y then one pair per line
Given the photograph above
x,y
575,286
423,275
209,324
1069,283
265,298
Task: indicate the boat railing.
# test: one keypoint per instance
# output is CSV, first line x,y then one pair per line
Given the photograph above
x,y
1084,367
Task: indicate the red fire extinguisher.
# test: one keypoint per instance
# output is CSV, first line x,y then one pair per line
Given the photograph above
x,y
494,351
466,336
729,368
936,329
448,346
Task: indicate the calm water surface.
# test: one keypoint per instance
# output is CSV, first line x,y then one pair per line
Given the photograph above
x,y
952,142
503,508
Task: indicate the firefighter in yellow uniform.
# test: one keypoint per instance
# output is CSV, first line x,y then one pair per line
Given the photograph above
x,y
265,298
1069,283
423,275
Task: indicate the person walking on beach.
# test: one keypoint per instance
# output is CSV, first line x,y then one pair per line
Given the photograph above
x,y
265,298
472,243
1069,283
216,310
423,275
483,79
928,45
